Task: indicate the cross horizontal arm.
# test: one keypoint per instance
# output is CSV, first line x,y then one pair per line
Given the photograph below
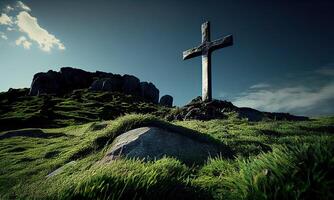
x,y
190,53
221,43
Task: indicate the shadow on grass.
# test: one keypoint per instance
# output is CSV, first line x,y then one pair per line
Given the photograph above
x,y
17,149
34,133
51,154
322,129
270,133
248,147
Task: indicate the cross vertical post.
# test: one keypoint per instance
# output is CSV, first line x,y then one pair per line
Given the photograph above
x,y
205,50
206,64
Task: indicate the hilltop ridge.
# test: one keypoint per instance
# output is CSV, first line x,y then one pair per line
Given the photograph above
x,y
74,96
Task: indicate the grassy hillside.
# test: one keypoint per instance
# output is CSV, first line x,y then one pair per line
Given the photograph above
x,y
272,160
18,110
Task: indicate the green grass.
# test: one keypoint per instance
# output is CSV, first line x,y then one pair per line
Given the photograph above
x,y
273,160
17,110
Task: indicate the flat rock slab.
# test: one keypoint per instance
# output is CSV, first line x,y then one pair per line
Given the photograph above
x,y
35,133
151,143
60,169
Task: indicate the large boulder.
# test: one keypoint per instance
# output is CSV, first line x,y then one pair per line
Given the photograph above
x,y
46,83
131,85
151,143
75,78
117,82
99,74
166,100
107,85
149,92
96,85
61,82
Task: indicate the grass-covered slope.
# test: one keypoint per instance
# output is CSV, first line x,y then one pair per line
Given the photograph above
x,y
273,160
18,110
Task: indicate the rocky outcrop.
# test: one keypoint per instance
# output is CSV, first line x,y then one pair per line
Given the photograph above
x,y
217,109
166,100
149,92
131,85
69,79
49,83
102,85
61,82
151,143
199,110
75,78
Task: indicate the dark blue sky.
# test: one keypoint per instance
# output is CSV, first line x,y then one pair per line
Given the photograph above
x,y
282,58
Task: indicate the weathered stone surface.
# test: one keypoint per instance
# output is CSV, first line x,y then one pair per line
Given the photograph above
x,y
153,143
131,85
75,78
34,133
166,100
149,92
96,85
61,82
46,83
61,169
117,82
199,110
107,85
69,79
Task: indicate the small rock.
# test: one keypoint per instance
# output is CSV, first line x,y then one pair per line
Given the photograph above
x,y
166,100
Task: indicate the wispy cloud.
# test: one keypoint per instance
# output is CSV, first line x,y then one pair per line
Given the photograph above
x,y
3,36
286,99
22,6
8,8
24,42
29,25
327,70
260,85
316,98
30,30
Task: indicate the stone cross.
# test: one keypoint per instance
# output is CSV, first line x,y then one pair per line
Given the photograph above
x,y
205,49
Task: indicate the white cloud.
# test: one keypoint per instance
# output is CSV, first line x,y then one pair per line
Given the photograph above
x,y
5,20
260,85
24,42
21,20
22,6
287,99
3,36
8,8
29,25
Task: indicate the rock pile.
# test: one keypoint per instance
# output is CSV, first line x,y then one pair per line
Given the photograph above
x,y
217,109
199,110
